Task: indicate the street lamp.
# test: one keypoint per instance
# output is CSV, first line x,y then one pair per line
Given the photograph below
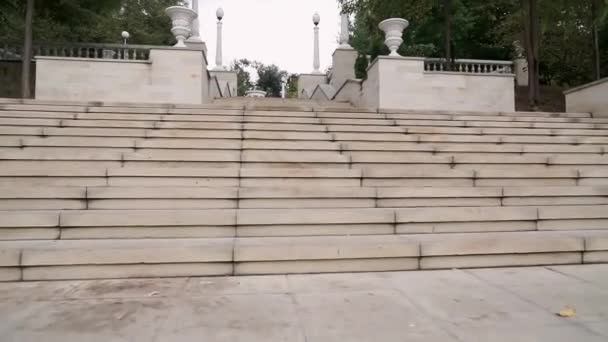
x,y
125,36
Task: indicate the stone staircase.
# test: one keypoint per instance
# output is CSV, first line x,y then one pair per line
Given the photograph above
x,y
242,187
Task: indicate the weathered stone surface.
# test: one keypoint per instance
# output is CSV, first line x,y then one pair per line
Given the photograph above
x,y
10,274
326,266
13,219
314,216
465,214
574,212
499,260
109,218
125,271
322,248
500,243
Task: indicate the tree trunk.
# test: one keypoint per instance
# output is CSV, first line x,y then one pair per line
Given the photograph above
x,y
596,45
531,37
26,56
447,7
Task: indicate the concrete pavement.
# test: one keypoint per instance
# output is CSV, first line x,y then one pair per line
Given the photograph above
x,y
486,305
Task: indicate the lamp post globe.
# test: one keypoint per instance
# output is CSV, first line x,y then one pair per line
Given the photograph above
x,y
316,19
219,13
125,35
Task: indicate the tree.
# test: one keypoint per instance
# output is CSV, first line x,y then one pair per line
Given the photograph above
x,y
447,9
270,79
292,86
243,77
531,39
26,58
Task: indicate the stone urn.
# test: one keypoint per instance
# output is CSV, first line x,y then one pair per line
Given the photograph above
x,y
393,29
255,93
181,19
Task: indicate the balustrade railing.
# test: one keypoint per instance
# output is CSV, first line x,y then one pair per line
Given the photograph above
x,y
470,66
80,50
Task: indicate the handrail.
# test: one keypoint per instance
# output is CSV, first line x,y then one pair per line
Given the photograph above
x,y
470,66
81,50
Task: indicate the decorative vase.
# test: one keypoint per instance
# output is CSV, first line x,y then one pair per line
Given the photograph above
x,y
255,93
181,19
393,29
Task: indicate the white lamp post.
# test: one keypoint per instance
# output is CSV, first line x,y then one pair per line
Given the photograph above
x,y
218,52
125,36
316,19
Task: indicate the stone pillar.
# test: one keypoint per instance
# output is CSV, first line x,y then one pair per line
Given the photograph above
x,y
316,62
343,66
196,34
344,36
218,52
521,72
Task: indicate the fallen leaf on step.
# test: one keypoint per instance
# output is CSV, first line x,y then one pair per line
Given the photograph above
x,y
567,312
153,294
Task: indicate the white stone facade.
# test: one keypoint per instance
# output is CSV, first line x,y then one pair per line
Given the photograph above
x,y
589,98
227,82
169,76
402,83
307,84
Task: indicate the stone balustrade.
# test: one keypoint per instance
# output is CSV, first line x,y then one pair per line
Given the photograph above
x,y
81,50
471,66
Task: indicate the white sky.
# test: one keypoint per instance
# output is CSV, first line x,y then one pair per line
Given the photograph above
x,y
272,31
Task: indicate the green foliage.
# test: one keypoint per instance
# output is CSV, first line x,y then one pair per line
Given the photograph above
x,y
243,77
292,86
487,29
361,64
91,21
270,79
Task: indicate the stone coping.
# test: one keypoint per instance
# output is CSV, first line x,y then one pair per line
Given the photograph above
x,y
101,60
213,71
421,59
585,86
467,73
317,75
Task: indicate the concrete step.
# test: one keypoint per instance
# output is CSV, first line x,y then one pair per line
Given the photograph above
x,y
172,197
228,115
332,125
94,259
166,223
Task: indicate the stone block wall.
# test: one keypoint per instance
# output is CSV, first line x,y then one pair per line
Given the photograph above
x,y
589,98
402,83
169,76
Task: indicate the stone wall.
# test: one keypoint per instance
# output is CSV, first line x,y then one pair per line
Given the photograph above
x,y
10,78
227,80
308,82
169,76
589,98
402,83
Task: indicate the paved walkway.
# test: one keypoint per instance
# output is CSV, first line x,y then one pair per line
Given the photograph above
x,y
515,305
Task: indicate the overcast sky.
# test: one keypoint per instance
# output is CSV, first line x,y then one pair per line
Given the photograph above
x,y
272,31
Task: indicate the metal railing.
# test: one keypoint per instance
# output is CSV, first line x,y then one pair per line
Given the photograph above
x,y
80,50
469,66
